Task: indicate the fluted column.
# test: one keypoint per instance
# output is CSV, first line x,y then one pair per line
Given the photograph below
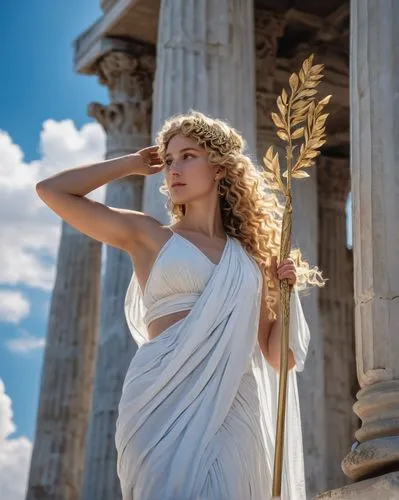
x,y
375,167
205,61
375,189
67,375
127,122
337,314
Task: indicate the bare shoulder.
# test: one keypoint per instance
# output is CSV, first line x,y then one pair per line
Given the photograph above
x,y
150,236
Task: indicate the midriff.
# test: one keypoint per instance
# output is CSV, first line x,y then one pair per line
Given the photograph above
x,y
159,325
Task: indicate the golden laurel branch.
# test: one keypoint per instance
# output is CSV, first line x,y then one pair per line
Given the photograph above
x,y
300,123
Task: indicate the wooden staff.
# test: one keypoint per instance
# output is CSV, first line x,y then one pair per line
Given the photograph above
x,y
299,118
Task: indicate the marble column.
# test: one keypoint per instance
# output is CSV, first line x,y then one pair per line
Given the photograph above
x,y
127,122
337,314
374,462
205,61
65,394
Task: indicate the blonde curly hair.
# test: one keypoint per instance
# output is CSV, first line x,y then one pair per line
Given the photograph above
x,y
250,210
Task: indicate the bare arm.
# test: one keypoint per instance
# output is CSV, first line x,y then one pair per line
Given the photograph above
x,y
65,194
269,335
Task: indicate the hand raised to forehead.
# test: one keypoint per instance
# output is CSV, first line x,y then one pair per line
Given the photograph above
x,y
151,162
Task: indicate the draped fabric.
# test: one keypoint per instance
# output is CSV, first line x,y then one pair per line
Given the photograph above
x,y
198,408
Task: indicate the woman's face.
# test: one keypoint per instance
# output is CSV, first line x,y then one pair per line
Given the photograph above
x,y
186,163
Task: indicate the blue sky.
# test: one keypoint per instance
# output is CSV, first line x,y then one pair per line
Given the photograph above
x,y
43,128
38,83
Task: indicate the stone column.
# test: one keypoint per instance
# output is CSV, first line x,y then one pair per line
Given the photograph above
x,y
305,235
205,61
127,122
67,375
337,314
375,189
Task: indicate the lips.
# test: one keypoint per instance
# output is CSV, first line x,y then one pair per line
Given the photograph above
x,y
177,184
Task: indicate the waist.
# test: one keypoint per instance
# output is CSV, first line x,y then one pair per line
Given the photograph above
x,y
169,305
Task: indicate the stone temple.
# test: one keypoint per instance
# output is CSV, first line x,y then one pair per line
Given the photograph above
x,y
230,59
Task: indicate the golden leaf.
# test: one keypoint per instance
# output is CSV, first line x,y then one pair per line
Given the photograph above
x,y
321,120
293,81
307,93
299,104
312,154
268,158
304,164
283,135
298,108
298,119
299,132
310,84
307,63
276,165
316,69
325,100
278,121
303,110
299,174
281,107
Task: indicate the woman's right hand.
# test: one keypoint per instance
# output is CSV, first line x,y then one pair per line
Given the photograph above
x,y
148,161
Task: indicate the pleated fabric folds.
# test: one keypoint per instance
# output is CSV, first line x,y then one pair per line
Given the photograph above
x,y
197,414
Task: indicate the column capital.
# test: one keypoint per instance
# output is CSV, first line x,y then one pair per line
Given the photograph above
x,y
129,76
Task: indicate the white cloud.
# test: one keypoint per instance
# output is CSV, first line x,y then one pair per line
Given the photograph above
x,y
25,343
30,231
14,307
15,453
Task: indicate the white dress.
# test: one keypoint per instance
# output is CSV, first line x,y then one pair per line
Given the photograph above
x,y
197,414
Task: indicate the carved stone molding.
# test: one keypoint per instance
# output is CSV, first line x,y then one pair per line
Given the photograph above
x,y
268,28
128,76
127,120
123,120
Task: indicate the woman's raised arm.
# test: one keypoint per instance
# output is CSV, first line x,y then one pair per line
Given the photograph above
x,y
65,193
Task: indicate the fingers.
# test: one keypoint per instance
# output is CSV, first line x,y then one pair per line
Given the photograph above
x,y
155,160
287,270
151,149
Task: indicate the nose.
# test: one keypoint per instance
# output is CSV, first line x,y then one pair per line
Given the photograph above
x,y
174,168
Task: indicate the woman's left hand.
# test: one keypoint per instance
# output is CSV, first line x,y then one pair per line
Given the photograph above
x,y
287,270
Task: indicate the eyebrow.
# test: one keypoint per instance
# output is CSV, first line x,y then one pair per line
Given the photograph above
x,y
185,149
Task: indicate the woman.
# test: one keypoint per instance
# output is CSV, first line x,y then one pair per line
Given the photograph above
x,y
198,408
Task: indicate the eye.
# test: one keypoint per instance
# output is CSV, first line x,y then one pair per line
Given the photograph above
x,y
168,162
188,155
